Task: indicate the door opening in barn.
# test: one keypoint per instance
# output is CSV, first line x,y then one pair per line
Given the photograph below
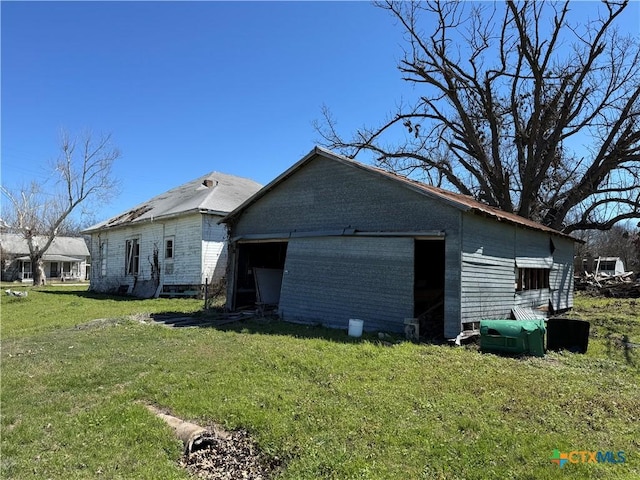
x,y
259,270
428,290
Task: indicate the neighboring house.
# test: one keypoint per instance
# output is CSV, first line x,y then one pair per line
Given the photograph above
x,y
608,266
170,245
66,259
331,240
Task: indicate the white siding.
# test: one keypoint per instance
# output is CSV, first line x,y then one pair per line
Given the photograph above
x,y
214,249
187,261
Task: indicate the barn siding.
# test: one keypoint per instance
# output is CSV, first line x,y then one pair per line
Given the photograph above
x,y
332,279
487,277
312,200
561,276
490,253
328,195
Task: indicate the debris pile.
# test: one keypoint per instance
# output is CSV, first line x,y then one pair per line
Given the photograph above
x,y
214,454
15,293
230,457
617,286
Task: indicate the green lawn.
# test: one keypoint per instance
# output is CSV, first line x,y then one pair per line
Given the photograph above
x,y
330,406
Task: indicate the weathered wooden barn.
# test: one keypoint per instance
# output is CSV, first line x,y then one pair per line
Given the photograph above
x,y
171,244
332,239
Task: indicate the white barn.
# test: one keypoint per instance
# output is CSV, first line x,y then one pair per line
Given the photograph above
x,y
170,245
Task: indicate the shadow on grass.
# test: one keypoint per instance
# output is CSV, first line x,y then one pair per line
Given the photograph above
x,y
270,325
90,295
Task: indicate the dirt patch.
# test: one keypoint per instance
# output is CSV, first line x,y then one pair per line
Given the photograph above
x,y
234,456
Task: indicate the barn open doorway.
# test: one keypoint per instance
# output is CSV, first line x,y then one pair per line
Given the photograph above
x,y
259,269
428,290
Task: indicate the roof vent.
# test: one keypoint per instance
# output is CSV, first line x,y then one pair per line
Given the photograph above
x,y
208,183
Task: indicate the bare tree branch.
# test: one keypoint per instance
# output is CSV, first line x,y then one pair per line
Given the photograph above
x,y
84,173
518,107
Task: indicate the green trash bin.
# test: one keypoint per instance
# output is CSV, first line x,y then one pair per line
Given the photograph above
x,y
519,337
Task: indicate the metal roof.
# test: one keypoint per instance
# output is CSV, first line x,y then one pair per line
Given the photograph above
x,y
52,258
214,193
15,244
457,200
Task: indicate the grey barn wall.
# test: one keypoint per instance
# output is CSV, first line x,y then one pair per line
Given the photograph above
x,y
561,277
487,277
332,279
489,255
312,200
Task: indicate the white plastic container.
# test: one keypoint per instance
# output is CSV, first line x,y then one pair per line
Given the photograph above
x,y
355,327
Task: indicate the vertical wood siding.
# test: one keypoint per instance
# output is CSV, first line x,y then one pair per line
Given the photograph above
x,y
332,279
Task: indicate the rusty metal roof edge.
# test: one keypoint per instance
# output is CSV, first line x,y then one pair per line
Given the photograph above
x,y
456,200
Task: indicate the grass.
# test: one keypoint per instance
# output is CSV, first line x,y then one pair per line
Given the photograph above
x,y
332,407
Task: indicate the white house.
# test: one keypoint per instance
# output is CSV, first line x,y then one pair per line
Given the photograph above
x,y
609,266
66,258
170,245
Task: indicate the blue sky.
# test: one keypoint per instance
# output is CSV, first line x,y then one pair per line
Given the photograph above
x,y
187,88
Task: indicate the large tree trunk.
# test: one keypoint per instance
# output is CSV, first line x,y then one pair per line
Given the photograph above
x,y
39,277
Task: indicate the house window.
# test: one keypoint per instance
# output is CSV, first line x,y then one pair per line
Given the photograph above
x,y
103,259
168,248
132,257
26,270
532,278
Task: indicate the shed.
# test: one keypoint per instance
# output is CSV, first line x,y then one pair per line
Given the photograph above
x,y
343,240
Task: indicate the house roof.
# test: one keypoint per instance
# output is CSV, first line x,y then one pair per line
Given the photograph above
x,y
52,258
457,200
15,244
213,193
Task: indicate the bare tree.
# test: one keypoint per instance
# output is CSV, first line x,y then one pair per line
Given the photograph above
x,y
83,174
518,107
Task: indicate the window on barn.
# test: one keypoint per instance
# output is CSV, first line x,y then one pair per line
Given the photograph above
x,y
532,279
132,257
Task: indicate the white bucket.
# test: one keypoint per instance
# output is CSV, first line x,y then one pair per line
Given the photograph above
x,y
355,327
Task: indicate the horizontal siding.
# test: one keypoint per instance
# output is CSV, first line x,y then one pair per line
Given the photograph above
x,y
328,195
488,269
330,280
214,249
487,288
187,233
